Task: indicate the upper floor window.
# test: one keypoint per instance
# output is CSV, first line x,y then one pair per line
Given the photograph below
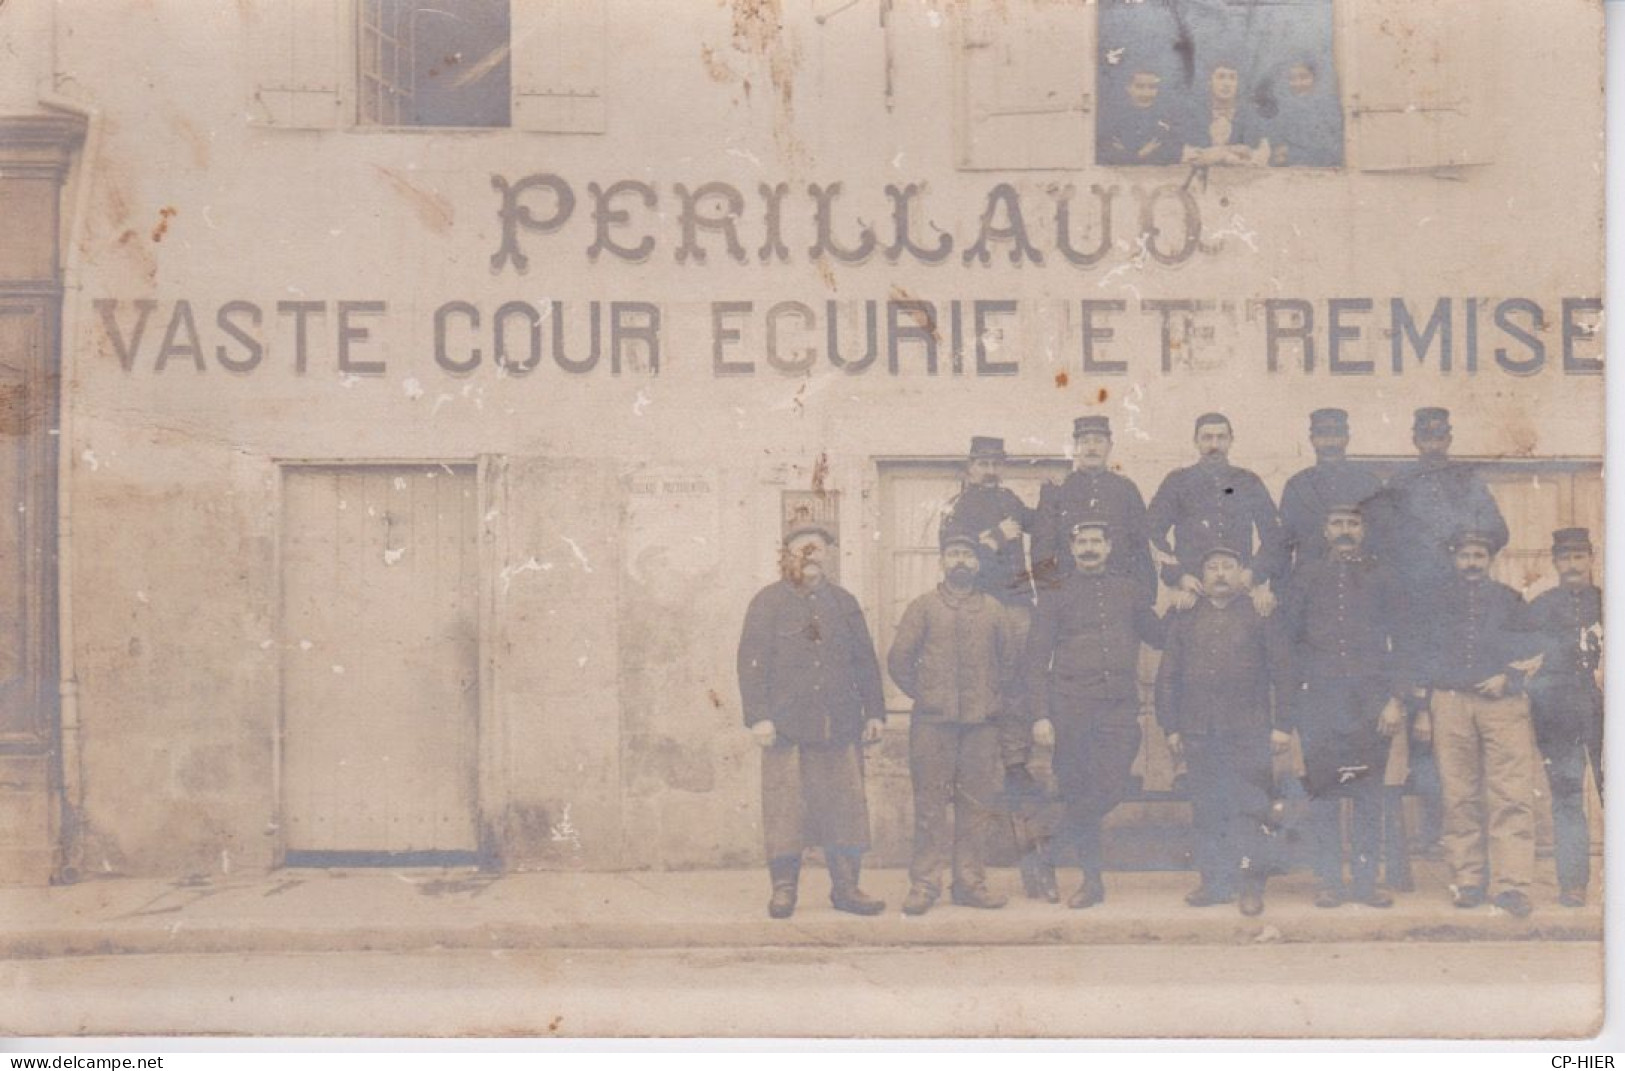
x,y
1233,83
535,65
435,63
1370,85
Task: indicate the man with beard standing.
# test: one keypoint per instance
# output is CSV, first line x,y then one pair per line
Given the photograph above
x,y
1083,667
1568,704
1223,698
1092,491
1210,504
954,655
998,521
1469,633
1342,612
811,691
1331,481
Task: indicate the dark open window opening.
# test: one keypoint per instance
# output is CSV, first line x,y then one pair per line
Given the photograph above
x,y
440,63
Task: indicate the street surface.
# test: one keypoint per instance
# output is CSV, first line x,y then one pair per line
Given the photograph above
x,y
1476,989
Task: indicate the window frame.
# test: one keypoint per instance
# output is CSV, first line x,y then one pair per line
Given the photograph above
x,y
351,96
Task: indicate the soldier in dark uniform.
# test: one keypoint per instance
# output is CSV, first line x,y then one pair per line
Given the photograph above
x,y
1213,503
1332,480
1092,490
1568,704
1083,670
1469,634
1412,523
811,691
955,655
1223,698
1428,501
998,521
1342,612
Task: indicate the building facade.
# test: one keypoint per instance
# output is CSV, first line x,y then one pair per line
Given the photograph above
x,y
405,406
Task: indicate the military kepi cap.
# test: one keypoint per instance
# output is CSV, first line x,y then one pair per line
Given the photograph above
x,y
1344,507
951,537
1472,537
1331,421
1227,551
986,446
801,528
1086,425
1571,539
1092,522
1432,418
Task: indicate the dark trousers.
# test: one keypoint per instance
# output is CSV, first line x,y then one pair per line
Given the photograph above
x,y
1569,732
1423,783
1230,777
958,764
1014,730
812,796
1095,748
1344,758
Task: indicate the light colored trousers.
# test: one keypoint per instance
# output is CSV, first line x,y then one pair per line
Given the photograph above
x,y
1486,754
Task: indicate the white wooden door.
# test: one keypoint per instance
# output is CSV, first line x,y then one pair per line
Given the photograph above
x,y
380,684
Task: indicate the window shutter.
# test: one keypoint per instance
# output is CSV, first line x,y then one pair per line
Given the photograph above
x,y
299,64
559,66
1022,95
1419,95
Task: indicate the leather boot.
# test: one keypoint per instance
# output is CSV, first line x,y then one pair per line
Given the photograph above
x,y
844,893
785,871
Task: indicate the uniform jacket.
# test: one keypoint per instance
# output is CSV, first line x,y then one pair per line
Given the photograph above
x,y
807,664
1306,498
1093,495
1215,505
1568,624
1344,619
1465,633
977,511
1084,645
1422,508
954,655
1224,670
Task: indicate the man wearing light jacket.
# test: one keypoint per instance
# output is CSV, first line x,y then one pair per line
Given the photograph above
x,y
954,655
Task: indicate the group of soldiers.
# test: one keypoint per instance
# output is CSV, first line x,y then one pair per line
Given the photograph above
x,y
1359,615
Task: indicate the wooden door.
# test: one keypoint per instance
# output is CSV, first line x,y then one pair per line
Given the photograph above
x,y
380,684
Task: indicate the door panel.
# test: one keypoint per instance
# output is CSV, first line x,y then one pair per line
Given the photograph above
x,y
380,659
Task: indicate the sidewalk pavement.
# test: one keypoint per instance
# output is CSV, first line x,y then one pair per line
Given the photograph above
x,y
405,910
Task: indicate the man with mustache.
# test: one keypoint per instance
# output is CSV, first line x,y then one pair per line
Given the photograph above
x,y
955,655
998,520
1332,480
1209,504
1413,519
1082,663
1568,703
1342,612
1469,632
811,691
1223,698
1092,490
